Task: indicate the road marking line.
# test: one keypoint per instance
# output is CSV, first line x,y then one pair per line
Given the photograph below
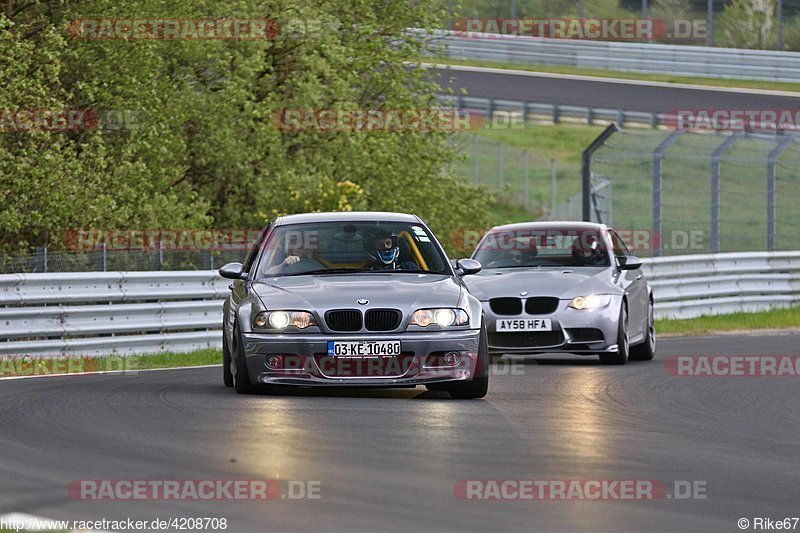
x,y
109,372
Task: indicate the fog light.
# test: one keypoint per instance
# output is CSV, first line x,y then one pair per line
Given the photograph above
x,y
452,358
275,361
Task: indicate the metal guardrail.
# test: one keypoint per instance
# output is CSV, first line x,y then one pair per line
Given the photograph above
x,y
99,313
696,61
88,314
713,284
500,111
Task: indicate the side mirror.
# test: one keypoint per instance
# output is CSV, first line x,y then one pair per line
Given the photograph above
x,y
629,263
465,267
233,271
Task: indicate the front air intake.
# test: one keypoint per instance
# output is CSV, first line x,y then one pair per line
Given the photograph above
x,y
343,320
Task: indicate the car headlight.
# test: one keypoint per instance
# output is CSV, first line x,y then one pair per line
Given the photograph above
x,y
284,319
441,317
592,301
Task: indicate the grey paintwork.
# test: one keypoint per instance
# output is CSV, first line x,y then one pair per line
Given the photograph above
x,y
565,283
316,294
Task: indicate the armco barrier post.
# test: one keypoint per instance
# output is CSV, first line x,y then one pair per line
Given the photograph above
x,y
41,259
586,168
715,163
527,177
772,159
475,154
658,156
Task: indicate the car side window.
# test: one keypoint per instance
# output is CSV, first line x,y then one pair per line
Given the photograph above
x,y
620,250
251,258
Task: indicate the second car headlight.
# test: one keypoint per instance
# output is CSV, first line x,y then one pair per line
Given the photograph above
x,y
284,319
444,317
592,301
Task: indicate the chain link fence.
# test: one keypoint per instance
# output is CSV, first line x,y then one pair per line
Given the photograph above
x,y
525,179
691,192
102,260
514,175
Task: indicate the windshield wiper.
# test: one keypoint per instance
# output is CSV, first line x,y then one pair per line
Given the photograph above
x,y
326,271
521,266
356,271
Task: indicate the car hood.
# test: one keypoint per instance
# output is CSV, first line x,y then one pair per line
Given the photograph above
x,y
406,292
563,283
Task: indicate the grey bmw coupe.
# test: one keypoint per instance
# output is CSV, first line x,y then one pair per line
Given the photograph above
x,y
563,287
356,300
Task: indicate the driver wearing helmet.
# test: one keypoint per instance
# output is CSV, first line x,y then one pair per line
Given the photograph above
x,y
383,251
586,250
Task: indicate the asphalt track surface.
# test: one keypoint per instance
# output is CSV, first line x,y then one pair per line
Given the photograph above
x,y
389,459
620,94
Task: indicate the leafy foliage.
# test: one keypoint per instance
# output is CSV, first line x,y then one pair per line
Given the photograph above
x,y
200,148
749,24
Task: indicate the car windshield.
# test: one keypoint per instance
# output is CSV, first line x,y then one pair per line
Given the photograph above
x,y
548,247
328,248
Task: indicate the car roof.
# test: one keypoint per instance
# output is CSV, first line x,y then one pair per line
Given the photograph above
x,y
348,216
544,225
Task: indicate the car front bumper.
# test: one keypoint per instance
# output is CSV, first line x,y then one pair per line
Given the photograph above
x,y
584,332
305,359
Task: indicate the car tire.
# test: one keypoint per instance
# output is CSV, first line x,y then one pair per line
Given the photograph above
x,y
227,375
620,357
241,379
479,385
646,350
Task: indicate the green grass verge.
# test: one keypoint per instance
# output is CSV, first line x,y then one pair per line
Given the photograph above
x,y
168,360
39,366
602,73
774,319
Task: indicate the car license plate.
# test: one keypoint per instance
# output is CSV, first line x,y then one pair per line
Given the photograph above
x,y
523,324
363,348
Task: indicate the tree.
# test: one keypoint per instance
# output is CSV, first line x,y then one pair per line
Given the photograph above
x,y
749,24
205,150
